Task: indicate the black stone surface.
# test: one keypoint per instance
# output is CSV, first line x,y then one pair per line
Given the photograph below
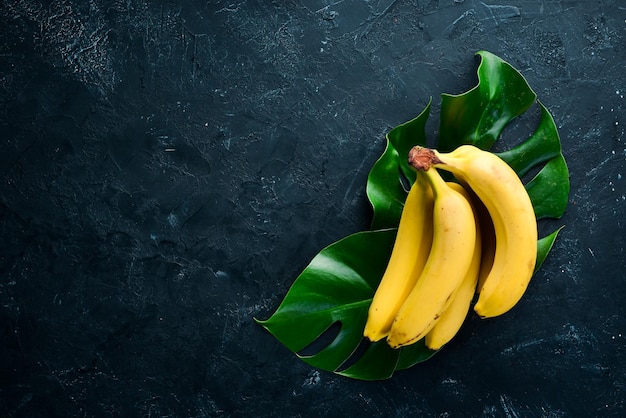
x,y
169,167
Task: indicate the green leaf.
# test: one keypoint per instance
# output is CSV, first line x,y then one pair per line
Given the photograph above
x,y
413,354
480,115
334,291
544,245
336,287
541,146
549,189
378,362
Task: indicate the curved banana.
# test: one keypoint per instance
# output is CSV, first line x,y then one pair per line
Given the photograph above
x,y
453,317
409,254
501,190
454,238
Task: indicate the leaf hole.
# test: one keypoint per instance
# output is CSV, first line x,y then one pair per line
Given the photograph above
x,y
404,181
356,354
527,177
323,341
518,129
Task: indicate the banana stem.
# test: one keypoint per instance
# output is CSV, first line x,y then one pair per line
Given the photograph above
x,y
422,159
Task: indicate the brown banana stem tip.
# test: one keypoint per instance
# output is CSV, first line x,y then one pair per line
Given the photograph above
x,y
422,158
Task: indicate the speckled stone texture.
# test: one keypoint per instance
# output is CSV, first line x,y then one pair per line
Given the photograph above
x,y
167,169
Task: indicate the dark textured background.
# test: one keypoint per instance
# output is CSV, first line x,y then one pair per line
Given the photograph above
x,y
169,167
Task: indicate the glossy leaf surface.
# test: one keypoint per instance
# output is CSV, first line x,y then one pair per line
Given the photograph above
x,y
337,287
480,115
322,317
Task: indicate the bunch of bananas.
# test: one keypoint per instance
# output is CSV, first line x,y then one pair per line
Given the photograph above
x,y
474,235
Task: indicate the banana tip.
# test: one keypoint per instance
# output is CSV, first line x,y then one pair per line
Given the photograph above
x,y
373,335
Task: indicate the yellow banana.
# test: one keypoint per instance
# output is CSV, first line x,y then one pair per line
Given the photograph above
x,y
454,238
452,318
409,254
497,185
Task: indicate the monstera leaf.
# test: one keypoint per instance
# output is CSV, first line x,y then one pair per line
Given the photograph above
x,y
321,319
